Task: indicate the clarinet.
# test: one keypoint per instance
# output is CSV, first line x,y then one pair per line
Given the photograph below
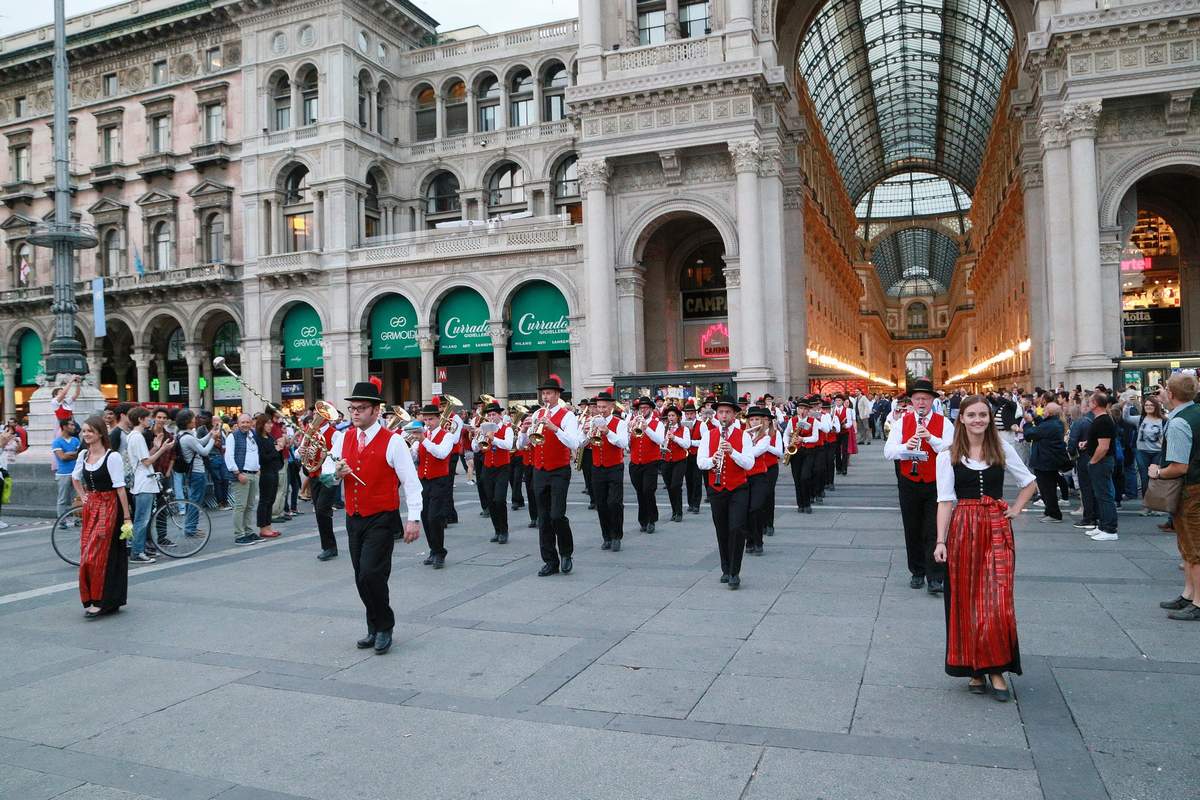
x,y
913,470
719,458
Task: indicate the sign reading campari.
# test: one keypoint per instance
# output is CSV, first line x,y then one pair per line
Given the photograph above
x,y
463,323
539,319
394,329
303,345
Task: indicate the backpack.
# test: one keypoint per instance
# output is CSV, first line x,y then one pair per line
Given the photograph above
x,y
182,465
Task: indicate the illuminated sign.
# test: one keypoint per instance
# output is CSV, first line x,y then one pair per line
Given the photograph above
x,y
1136,264
714,342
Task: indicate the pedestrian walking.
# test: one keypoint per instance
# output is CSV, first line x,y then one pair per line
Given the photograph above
x,y
99,482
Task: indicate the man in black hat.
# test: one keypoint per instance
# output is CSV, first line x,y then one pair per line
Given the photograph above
x,y
608,468
585,458
553,431
495,441
725,454
380,463
646,437
914,441
435,468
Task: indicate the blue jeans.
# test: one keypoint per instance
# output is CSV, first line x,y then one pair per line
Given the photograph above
x,y
197,484
1144,459
143,504
1086,498
1101,474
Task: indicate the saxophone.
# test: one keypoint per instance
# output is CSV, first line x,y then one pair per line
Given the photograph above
x,y
793,443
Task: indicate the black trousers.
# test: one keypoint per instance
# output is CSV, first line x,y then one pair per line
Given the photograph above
x,y
371,542
772,482
729,512
516,479
672,473
435,511
608,493
1047,482
816,472
452,513
841,452
801,467
830,468
756,521
531,496
268,485
918,509
322,500
694,480
587,470
644,478
494,483
478,464
554,529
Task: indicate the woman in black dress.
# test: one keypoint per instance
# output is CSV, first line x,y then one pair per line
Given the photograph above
x,y
99,480
270,461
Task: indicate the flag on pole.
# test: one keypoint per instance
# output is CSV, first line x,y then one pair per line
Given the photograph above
x,y
138,266
24,269
98,317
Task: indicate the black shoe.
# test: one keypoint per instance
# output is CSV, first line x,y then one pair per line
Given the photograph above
x,y
591,506
808,509
504,538
734,581
439,561
383,642
769,531
429,560
325,555
677,518
495,538
616,545
606,546
531,525
567,565
548,569
643,529
916,581
724,578
977,688
650,528
758,551
1178,604
485,513
935,586
366,641
1189,614
517,506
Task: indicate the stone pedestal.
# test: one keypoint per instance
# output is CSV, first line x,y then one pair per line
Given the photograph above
x,y
43,426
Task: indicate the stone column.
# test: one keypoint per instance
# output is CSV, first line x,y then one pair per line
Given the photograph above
x,y
1035,243
739,30
121,368
672,18
95,360
164,385
1080,120
8,368
601,293
503,122
319,222
426,339
193,355
208,398
141,361
499,333
1058,237
746,156
1111,246
472,111
441,116
733,304
631,317
591,40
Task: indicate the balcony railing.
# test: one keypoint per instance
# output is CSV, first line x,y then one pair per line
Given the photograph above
x,y
180,276
210,154
474,142
670,55
156,164
303,261
554,34
471,237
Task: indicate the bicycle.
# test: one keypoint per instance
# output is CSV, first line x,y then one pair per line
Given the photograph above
x,y
168,528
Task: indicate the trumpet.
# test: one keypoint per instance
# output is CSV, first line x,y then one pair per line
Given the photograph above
x,y
536,433
637,427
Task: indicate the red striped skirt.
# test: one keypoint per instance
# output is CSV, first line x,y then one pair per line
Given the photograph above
x,y
981,621
103,565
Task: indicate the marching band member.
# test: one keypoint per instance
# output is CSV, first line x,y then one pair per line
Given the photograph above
x,y
795,428
467,440
458,452
382,461
724,455
525,448
607,437
810,442
844,417
496,448
435,467
558,428
759,423
322,495
585,464
920,432
692,475
674,459
646,437
516,474
830,438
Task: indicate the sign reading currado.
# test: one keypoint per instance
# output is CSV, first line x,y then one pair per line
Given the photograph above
x,y
463,323
539,319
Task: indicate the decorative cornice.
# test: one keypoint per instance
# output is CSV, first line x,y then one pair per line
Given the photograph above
x,y
746,155
1052,132
594,174
1079,119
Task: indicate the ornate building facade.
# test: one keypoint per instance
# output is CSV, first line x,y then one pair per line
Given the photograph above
x,y
673,193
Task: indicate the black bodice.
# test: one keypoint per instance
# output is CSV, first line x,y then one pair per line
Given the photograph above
x,y
972,484
98,479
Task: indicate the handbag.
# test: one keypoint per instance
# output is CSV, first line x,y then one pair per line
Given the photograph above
x,y
1162,494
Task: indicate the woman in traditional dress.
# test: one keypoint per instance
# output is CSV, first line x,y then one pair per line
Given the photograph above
x,y
99,480
974,538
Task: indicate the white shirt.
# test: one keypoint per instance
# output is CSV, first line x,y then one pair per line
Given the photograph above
x,y
569,432
767,444
139,452
684,440
441,449
398,458
116,469
250,462
499,442
704,456
894,447
1013,465
618,438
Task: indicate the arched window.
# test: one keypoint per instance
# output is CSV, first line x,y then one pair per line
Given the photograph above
x,y
456,109
506,187
442,195
426,114
371,207
296,190
520,100
309,95
23,266
488,95
555,80
917,316
298,211
364,99
566,188
281,103
112,252
703,301
214,238
382,98
162,246
918,365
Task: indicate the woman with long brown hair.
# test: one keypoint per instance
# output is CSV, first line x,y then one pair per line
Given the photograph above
x,y
99,480
975,540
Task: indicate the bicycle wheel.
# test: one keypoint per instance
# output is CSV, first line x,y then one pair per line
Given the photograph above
x,y
170,528
66,533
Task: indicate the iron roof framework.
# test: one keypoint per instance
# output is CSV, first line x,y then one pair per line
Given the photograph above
x,y
915,261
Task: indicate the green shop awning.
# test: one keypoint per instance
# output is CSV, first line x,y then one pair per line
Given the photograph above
x,y
303,346
463,323
394,329
32,363
539,319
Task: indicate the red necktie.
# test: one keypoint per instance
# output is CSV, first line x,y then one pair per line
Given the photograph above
x,y
362,440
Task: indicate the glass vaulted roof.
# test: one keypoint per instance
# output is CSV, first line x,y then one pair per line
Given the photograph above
x,y
915,261
906,84
912,194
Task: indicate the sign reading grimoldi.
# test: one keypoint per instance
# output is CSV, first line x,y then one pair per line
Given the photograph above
x,y
303,346
394,329
704,304
463,323
539,319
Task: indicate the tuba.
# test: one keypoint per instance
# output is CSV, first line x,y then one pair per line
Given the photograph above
x,y
312,446
399,419
518,412
450,406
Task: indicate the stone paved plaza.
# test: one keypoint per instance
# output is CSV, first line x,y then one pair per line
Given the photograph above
x,y
235,675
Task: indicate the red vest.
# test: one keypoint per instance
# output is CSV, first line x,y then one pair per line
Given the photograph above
x,y
767,460
674,451
829,436
551,454
809,422
696,431
608,454
643,449
497,456
732,475
326,433
841,416
926,470
382,490
427,465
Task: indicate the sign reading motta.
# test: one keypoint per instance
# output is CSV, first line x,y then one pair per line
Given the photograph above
x,y
702,304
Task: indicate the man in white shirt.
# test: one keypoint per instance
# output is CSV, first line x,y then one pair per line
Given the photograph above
x,y
607,436
496,441
241,459
725,454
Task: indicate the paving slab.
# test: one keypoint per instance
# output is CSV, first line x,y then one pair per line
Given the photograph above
x,y
1141,706
779,702
634,690
937,715
792,659
24,784
703,622
703,654
1134,770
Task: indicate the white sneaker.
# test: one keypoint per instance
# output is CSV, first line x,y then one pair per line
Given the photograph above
x,y
1077,512
1044,518
1089,531
3,525
1104,536
1145,512
1037,503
